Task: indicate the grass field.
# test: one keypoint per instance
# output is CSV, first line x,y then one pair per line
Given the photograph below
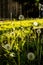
x,y
21,42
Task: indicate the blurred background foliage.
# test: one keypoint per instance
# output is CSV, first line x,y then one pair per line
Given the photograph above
x,y
30,8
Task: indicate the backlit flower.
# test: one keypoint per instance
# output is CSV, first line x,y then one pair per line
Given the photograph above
x,y
35,24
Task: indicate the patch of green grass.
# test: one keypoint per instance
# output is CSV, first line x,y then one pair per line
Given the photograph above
x,y
18,39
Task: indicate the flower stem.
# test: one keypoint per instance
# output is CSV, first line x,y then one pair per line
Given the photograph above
x,y
18,58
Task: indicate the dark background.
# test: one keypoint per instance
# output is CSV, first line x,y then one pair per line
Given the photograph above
x,y
30,8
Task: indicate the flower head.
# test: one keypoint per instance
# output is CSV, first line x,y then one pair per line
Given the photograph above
x,y
38,31
35,24
12,54
21,17
7,46
31,56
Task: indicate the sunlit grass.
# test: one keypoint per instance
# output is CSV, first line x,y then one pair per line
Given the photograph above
x,y
17,36
24,23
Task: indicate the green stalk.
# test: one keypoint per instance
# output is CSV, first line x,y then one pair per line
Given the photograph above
x,y
38,44
27,42
18,57
38,48
35,36
18,53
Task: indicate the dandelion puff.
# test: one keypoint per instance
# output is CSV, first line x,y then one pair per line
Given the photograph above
x,y
7,46
31,56
38,31
12,54
35,24
21,17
